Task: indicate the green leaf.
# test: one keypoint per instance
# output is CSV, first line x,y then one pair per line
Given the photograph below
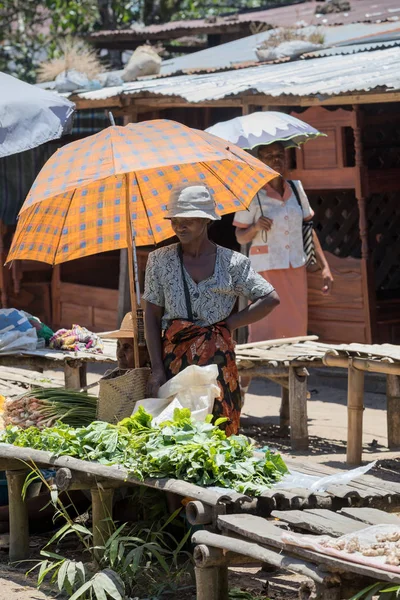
x,y
82,590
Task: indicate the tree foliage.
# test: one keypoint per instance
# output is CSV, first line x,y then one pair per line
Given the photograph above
x,y
30,30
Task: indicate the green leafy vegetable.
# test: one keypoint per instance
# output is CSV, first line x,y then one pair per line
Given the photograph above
x,y
198,452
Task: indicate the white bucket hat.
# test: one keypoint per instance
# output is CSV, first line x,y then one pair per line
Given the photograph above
x,y
192,201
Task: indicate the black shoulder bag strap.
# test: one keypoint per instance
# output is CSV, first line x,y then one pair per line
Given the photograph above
x,y
295,192
185,286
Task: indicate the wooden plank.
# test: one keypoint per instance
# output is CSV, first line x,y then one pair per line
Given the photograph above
x,y
371,516
298,410
393,410
262,531
319,521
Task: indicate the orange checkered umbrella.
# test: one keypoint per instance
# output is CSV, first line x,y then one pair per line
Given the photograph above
x,y
111,190
80,200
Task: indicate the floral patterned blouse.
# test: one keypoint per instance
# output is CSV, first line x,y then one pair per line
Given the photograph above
x,y
213,298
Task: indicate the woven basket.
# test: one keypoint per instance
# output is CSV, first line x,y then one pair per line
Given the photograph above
x,y
119,392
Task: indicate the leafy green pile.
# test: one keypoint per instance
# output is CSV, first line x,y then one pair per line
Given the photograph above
x,y
198,452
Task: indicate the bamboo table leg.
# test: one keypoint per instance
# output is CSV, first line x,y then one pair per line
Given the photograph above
x,y
83,375
355,408
211,583
298,409
284,413
72,377
393,410
19,522
102,503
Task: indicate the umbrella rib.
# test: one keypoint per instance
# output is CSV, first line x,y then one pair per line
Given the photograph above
x,y
65,219
145,209
224,184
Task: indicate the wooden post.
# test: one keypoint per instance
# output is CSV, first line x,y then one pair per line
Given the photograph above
x,y
129,241
55,297
355,407
284,413
361,193
102,503
72,377
124,301
18,514
211,583
83,375
393,410
298,409
3,283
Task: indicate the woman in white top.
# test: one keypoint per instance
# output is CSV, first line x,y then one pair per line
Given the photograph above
x,y
273,226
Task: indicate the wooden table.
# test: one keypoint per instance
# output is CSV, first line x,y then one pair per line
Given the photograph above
x,y
73,363
287,362
247,538
359,359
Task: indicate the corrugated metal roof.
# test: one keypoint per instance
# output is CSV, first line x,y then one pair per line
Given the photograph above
x,y
244,50
351,49
362,11
321,77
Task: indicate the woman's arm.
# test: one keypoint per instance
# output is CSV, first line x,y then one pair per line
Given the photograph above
x,y
323,263
256,311
152,322
244,235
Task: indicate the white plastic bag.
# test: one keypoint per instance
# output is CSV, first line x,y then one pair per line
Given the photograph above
x,y
194,387
315,483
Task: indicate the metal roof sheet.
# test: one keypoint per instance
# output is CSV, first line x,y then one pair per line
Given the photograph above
x,y
362,11
244,50
327,76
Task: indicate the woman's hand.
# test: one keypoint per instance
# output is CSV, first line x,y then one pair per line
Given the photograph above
x,y
263,224
156,380
327,281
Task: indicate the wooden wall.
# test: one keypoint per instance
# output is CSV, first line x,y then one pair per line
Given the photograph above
x,y
341,317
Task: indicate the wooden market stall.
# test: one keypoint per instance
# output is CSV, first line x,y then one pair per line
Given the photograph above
x,y
351,177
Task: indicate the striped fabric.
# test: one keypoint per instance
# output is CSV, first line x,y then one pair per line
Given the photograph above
x,y
79,203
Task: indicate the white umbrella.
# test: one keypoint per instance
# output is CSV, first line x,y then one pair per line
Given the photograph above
x,y
30,116
261,128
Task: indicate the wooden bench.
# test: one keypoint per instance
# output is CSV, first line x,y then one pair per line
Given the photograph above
x,y
247,538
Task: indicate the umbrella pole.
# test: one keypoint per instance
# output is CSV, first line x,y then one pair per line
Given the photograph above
x,y
131,267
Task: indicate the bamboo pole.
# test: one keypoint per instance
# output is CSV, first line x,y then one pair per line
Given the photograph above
x,y
355,407
259,554
393,410
298,409
278,342
131,266
102,503
363,364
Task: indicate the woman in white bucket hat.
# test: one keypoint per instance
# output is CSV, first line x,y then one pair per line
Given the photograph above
x,y
190,291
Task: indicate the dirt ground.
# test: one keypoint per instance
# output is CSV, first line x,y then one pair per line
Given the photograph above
x,y
327,429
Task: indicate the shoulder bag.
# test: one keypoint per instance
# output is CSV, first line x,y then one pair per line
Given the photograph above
x,y
308,239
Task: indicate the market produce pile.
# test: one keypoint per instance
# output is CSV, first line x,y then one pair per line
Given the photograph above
x,y
195,451
386,545
43,408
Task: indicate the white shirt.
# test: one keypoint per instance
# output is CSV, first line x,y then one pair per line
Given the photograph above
x,y
284,246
